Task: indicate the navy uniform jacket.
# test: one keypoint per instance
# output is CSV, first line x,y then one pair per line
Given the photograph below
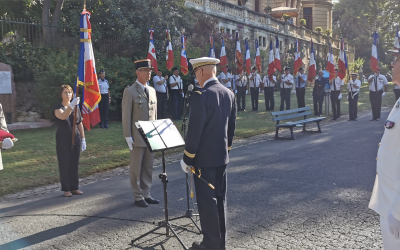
x,y
319,87
212,121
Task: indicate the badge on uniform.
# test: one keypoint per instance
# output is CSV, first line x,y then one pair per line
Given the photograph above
x,y
389,124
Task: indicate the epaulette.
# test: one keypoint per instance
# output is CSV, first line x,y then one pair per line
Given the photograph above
x,y
198,92
129,85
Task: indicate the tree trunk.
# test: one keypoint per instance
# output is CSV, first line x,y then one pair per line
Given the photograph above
x,y
45,20
54,20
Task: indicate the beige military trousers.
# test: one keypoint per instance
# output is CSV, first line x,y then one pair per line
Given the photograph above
x,y
141,172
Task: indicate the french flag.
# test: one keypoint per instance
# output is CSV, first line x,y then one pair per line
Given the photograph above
x,y
396,40
312,70
374,55
342,61
297,58
277,56
271,62
247,57
184,61
238,55
223,60
151,55
330,67
258,57
169,53
211,53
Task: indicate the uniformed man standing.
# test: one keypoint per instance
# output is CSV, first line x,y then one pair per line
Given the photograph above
x,y
176,84
385,199
241,85
269,89
211,128
319,92
254,83
139,103
161,87
353,87
336,95
105,99
287,82
301,81
378,86
226,79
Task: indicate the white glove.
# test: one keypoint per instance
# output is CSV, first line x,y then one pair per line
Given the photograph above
x,y
74,102
83,146
394,225
185,167
347,97
340,96
129,140
383,94
293,91
247,92
7,143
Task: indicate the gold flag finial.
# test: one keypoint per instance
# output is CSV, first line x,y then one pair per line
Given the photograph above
x,y
84,4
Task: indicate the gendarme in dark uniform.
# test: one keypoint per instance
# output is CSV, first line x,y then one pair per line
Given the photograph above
x,y
211,128
319,92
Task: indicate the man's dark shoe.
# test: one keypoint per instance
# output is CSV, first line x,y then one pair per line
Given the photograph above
x,y
101,125
106,125
199,245
333,119
141,203
151,201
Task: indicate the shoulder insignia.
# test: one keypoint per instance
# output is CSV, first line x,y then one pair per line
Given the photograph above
x,y
198,92
129,85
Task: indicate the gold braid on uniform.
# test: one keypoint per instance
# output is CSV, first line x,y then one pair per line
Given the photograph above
x,y
189,154
198,92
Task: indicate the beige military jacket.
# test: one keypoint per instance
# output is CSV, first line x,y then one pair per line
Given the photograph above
x,y
137,107
386,193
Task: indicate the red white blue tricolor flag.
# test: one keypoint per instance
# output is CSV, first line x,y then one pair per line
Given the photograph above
x,y
87,76
312,70
277,56
374,54
151,55
342,65
330,67
238,55
257,59
184,61
223,59
298,63
271,62
169,53
247,57
396,40
211,53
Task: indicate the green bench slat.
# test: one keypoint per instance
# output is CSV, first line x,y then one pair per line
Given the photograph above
x,y
293,124
279,118
284,112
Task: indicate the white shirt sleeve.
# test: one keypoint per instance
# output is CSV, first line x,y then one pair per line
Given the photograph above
x,y
385,81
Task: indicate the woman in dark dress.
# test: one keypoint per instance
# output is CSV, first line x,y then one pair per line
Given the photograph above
x,y
68,160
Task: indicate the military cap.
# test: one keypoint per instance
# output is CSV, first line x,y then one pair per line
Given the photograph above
x,y
143,64
174,68
301,68
354,74
336,69
254,67
102,71
202,61
287,68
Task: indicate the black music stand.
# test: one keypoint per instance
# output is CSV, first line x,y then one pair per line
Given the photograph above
x,y
159,136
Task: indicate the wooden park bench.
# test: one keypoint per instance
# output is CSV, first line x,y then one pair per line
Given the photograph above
x,y
291,114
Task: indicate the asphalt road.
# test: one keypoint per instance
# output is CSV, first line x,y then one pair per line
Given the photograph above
x,y
311,193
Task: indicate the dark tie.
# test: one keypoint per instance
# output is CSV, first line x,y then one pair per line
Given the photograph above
x,y
146,92
299,81
334,84
376,84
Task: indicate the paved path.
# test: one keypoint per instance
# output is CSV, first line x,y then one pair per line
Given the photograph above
x,y
311,193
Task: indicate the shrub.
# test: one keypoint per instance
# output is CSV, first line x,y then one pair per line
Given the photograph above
x,y
286,17
328,32
318,29
303,22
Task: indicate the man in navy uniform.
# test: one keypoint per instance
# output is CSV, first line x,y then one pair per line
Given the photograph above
x,y
301,81
105,99
319,92
212,119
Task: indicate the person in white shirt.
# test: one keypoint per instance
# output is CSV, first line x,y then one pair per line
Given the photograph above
x,y
353,87
378,86
105,99
241,85
176,84
336,95
287,81
269,89
301,81
254,83
226,79
161,87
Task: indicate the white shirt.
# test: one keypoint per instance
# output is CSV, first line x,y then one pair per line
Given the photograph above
x,y
285,78
103,86
173,79
351,88
268,83
302,84
212,78
160,88
241,83
255,81
224,77
337,82
381,82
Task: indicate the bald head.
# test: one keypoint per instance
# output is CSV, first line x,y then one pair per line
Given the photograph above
x,y
204,73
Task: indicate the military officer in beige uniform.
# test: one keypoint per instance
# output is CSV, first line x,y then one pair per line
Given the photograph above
x,y
139,103
385,199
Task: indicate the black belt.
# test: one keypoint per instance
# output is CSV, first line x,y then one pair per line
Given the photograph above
x,y
161,93
376,91
300,87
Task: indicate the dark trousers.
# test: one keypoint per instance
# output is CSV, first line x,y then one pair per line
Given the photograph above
x,y
375,97
285,98
211,204
269,98
177,103
103,108
241,96
353,103
161,105
301,94
318,101
254,92
68,162
397,93
335,103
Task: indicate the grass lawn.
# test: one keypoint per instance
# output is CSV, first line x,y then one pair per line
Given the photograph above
x,y
32,162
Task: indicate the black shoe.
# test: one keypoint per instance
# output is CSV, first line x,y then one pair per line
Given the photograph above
x,y
151,201
373,119
333,119
106,125
141,203
199,245
101,125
